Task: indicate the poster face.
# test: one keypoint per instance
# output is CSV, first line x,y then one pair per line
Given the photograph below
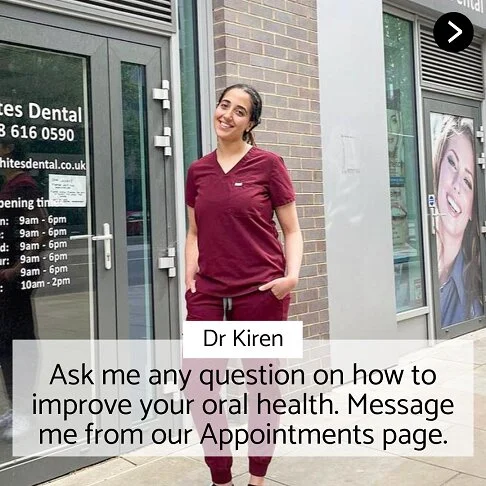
x,y
457,227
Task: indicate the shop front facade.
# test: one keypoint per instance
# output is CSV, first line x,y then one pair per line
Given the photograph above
x,y
403,144
107,103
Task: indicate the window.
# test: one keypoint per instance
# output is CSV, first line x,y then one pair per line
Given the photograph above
x,y
403,163
191,115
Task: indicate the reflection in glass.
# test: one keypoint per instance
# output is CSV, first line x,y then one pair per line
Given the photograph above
x,y
45,278
137,199
24,233
403,164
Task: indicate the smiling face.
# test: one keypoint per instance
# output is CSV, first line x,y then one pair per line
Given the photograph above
x,y
455,191
232,115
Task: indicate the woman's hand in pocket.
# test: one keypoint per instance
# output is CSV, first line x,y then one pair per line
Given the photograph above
x,y
191,285
280,287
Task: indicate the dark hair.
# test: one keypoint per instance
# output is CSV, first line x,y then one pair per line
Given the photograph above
x,y
18,147
256,107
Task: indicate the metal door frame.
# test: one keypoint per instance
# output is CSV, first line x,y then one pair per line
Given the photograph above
x,y
442,103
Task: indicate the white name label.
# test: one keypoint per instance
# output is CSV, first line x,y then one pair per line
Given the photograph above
x,y
242,339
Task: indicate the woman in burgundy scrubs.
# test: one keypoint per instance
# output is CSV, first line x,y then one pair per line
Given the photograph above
x,y
236,268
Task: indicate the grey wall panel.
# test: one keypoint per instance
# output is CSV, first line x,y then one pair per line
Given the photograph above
x,y
357,194
414,328
474,10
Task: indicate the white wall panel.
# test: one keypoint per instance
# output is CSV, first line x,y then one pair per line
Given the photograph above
x,y
356,177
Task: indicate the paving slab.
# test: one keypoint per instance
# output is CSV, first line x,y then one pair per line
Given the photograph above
x,y
357,471
414,473
480,412
167,471
92,474
474,466
480,351
139,460
465,480
480,380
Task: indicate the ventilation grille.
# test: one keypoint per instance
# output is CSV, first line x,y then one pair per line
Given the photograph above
x,y
462,71
158,10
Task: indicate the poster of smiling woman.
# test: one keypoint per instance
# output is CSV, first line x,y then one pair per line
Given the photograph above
x,y
457,228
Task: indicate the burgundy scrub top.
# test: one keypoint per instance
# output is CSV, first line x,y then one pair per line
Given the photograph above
x,y
237,238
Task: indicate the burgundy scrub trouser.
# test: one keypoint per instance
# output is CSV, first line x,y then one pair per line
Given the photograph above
x,y
256,306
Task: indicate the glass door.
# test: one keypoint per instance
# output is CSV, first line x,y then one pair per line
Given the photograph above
x,y
87,218
456,206
56,209
142,167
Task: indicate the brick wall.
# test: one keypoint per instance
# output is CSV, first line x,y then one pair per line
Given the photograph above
x,y
272,44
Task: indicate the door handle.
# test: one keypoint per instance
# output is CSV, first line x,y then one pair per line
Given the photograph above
x,y
106,237
433,215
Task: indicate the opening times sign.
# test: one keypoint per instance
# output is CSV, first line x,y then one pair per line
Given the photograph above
x,y
43,199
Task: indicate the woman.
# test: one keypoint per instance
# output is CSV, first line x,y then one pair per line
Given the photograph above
x,y
457,229
236,268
